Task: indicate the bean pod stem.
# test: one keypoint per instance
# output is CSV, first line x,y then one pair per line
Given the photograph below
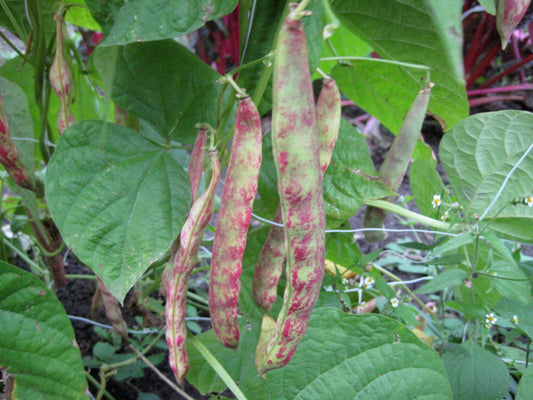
x,y
183,261
296,155
234,217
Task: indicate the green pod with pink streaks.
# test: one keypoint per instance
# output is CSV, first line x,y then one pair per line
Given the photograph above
x,y
112,310
183,261
240,189
61,77
9,155
296,155
397,160
272,257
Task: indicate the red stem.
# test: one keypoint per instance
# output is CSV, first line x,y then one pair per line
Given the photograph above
x,y
513,88
474,50
490,99
507,71
482,65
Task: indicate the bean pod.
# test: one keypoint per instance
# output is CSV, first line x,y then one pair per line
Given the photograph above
x,y
183,261
272,257
112,310
296,155
61,78
234,217
397,160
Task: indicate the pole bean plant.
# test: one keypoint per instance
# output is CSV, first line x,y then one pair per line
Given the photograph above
x,y
195,157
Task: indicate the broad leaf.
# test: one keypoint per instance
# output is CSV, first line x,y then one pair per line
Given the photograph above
x,y
443,281
475,373
423,32
138,20
383,360
350,177
510,281
118,200
525,387
163,83
425,183
384,90
478,156
37,343
20,122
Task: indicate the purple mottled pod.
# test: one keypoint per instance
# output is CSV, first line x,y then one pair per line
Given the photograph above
x,y
182,263
240,189
9,155
508,16
124,118
61,78
112,310
296,155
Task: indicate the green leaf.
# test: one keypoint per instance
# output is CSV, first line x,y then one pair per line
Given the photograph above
x,y
163,83
442,281
510,281
81,16
384,90
118,200
37,342
489,6
425,183
268,179
350,177
384,360
454,243
525,320
475,373
478,155
423,32
137,20
20,123
525,387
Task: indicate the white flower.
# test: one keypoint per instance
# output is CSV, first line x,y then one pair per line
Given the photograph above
x,y
394,302
490,319
529,201
515,319
367,282
436,200
444,216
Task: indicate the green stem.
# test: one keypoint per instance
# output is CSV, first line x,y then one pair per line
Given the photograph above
x,y
13,21
265,59
176,388
34,266
197,298
219,369
332,21
385,205
228,79
378,60
12,45
81,276
405,287
299,11
97,384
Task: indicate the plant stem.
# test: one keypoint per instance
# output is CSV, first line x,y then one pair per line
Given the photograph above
x,y
378,60
12,45
219,369
82,276
404,286
12,20
385,205
34,266
97,384
176,388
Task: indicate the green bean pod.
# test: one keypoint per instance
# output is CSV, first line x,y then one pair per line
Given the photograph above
x,y
183,261
296,155
196,163
272,257
397,160
240,189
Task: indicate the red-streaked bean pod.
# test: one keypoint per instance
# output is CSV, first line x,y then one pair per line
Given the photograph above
x,y
240,189
296,155
183,261
196,163
112,310
61,77
272,257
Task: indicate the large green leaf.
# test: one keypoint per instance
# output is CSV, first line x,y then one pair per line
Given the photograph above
x,y
425,183
163,83
350,177
20,122
475,373
478,154
341,356
118,200
385,90
37,344
423,32
138,20
525,388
